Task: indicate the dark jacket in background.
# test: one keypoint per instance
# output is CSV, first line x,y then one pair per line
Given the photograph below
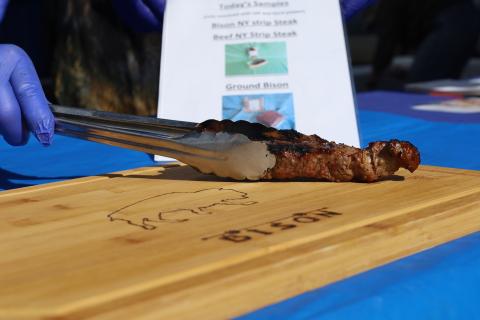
x,y
442,34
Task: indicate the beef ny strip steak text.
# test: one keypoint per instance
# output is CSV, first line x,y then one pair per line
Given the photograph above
x,y
309,156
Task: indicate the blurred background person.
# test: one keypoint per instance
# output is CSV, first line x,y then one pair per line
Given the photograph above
x,y
440,36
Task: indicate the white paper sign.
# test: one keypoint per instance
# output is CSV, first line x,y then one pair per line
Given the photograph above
x,y
283,63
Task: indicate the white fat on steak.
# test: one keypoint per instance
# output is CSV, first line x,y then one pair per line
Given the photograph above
x,y
227,155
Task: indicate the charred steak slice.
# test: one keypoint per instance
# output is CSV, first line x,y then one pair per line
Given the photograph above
x,y
309,156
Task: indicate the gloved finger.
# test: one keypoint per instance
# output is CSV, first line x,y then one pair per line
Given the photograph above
x,y
351,7
11,125
3,8
157,7
31,98
137,15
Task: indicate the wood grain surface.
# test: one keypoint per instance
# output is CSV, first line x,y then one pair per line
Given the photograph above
x,y
170,243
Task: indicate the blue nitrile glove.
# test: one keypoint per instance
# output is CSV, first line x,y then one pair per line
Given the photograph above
x,y
3,8
23,106
351,7
141,15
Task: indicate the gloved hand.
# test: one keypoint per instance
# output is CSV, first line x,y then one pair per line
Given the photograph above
x,y
23,106
141,15
351,7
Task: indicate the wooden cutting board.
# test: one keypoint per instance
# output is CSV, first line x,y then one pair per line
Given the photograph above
x,y
170,243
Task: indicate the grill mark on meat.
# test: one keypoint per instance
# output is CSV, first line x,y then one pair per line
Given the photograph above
x,y
278,148
309,156
372,161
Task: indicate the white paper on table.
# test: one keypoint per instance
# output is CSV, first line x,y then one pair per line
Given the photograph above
x,y
288,60
460,106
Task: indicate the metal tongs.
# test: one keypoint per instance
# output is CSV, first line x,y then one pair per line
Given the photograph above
x,y
210,153
150,135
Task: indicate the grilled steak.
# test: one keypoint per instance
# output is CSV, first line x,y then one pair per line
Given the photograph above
x,y
309,156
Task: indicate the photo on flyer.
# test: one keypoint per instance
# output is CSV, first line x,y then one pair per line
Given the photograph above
x,y
259,58
271,110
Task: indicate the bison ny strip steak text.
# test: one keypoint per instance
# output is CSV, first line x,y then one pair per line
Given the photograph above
x,y
309,156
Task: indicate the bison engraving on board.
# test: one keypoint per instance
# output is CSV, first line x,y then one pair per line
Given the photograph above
x,y
177,207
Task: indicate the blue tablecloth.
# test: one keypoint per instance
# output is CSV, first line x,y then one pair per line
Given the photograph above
x,y
441,283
